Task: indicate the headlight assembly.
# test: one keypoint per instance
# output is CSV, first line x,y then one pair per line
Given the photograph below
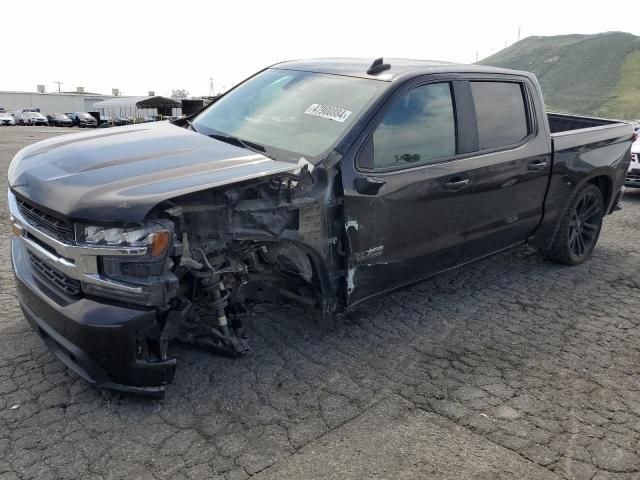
x,y
152,235
150,271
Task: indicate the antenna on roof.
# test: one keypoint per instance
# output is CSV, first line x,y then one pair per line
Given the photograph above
x,y
378,66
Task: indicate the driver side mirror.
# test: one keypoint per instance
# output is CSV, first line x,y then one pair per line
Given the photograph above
x,y
368,185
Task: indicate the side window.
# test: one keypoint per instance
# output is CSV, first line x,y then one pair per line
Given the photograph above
x,y
419,127
501,113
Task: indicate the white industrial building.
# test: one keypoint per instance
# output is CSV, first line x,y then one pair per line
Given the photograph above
x,y
50,102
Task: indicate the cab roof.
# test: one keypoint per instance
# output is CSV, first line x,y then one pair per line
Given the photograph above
x,y
357,67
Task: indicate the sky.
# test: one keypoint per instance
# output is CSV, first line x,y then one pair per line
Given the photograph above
x,y
142,45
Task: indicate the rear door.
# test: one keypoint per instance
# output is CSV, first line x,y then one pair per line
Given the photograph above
x,y
407,189
512,166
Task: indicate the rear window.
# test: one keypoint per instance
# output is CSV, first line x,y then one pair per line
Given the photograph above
x,y
501,113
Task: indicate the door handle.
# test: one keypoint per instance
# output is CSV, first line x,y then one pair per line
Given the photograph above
x,y
457,184
537,165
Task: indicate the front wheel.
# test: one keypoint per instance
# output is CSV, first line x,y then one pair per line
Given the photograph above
x,y
580,227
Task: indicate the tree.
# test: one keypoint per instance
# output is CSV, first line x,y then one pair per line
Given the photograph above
x,y
179,93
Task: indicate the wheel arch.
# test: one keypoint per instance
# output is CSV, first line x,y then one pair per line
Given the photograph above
x,y
329,300
605,184
544,236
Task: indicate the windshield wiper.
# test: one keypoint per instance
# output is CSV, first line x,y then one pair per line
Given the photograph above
x,y
256,147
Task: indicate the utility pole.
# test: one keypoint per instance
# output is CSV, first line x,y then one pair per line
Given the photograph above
x,y
477,54
519,28
59,83
211,92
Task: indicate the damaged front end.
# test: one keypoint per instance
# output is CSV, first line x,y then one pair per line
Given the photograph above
x,y
210,256
183,258
266,240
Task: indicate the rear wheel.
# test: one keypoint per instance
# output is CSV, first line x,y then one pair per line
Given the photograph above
x,y
580,227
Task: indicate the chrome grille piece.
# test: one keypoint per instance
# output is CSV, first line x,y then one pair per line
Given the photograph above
x,y
59,228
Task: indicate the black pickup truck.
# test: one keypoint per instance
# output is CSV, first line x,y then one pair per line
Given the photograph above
x,y
323,182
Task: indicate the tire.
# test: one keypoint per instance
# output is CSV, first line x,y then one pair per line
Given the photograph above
x,y
580,227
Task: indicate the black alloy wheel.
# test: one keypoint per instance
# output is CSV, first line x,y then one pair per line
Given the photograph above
x,y
585,224
580,227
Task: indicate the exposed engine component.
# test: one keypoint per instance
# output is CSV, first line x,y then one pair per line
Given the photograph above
x,y
241,246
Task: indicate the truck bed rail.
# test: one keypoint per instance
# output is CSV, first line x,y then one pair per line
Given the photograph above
x,y
571,131
562,122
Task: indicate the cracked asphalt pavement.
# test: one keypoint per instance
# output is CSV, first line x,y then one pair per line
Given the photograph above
x,y
512,366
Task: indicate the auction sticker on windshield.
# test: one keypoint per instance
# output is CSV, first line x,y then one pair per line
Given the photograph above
x,y
327,111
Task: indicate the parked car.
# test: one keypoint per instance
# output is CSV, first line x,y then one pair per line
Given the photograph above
x,y
34,118
59,120
117,121
121,120
633,173
17,117
6,119
82,119
323,182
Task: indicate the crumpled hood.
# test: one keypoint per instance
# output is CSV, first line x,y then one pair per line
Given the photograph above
x,y
119,174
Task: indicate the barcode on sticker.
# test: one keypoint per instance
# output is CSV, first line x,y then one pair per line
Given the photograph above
x,y
327,111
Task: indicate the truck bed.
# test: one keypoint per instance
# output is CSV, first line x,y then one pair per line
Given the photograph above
x,y
559,122
571,131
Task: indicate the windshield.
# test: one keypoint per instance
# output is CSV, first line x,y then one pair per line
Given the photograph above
x,y
84,115
301,113
60,116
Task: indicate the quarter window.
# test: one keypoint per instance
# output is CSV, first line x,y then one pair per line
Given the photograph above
x,y
500,112
418,127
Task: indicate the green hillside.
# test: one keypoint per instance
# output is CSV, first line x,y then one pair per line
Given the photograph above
x,y
585,74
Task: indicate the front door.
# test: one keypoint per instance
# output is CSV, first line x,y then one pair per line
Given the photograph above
x,y
407,194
